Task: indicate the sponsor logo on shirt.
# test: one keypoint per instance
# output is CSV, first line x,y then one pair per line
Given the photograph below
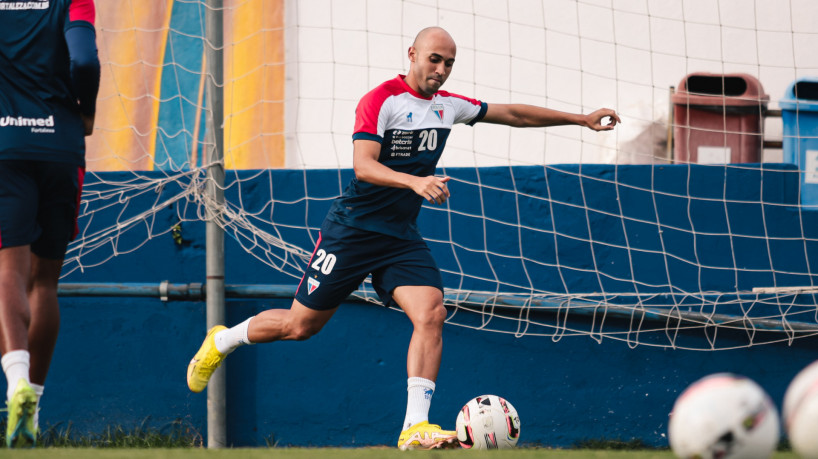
x,y
38,125
29,5
401,143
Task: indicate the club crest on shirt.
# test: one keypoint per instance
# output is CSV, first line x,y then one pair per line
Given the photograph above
x,y
312,284
27,5
438,110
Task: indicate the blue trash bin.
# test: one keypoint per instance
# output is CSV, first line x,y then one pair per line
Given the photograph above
x,y
799,112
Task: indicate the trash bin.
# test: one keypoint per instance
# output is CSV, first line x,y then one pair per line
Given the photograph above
x,y
718,119
799,113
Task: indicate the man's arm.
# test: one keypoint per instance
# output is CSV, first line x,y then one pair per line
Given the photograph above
x,y
368,169
521,115
80,37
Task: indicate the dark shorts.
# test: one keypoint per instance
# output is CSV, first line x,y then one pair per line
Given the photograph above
x,y
345,256
39,201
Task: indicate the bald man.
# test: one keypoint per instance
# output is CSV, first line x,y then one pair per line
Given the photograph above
x,y
401,128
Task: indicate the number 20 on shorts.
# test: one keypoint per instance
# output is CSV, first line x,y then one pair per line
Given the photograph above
x,y
324,261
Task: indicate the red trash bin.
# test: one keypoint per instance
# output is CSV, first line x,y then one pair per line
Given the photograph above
x,y
718,119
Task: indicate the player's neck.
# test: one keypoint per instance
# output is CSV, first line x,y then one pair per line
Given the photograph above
x,y
415,87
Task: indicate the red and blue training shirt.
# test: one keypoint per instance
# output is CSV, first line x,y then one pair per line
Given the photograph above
x,y
412,131
49,74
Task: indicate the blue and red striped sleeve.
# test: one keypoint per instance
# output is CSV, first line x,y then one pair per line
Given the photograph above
x,y
80,37
367,114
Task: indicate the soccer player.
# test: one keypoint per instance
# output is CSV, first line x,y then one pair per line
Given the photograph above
x,y
401,128
49,77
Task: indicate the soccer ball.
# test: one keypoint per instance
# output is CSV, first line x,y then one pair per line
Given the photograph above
x,y
801,412
488,422
723,416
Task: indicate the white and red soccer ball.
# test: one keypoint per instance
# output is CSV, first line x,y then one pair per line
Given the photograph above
x,y
801,412
724,416
488,422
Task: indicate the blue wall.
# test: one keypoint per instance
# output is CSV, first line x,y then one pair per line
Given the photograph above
x,y
119,361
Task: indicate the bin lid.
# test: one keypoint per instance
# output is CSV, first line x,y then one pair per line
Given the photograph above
x,y
716,89
802,94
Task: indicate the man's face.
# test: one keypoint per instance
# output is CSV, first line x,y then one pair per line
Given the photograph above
x,y
432,62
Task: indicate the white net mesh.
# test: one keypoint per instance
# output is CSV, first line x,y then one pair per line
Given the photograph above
x,y
553,232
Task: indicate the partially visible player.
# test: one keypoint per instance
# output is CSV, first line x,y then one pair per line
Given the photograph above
x,y
401,128
49,78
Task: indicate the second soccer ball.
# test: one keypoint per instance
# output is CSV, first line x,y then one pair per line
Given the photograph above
x,y
723,416
801,412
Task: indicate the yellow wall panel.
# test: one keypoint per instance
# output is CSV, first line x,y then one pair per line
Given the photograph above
x,y
131,36
254,84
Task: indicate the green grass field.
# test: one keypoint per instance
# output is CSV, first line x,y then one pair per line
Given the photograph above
x,y
178,441
334,453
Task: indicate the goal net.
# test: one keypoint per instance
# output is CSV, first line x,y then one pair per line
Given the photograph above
x,y
691,225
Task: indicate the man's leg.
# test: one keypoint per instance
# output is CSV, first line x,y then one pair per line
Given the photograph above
x,y
45,315
297,323
45,321
15,317
424,307
322,288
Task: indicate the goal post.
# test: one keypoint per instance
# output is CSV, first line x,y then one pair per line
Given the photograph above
x,y
214,195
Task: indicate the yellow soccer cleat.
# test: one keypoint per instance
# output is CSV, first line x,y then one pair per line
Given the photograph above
x,y
20,431
427,436
205,362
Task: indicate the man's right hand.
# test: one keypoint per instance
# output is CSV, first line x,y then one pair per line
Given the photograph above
x,y
88,124
432,188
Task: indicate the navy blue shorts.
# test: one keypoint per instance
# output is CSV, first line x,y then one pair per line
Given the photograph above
x,y
39,201
345,256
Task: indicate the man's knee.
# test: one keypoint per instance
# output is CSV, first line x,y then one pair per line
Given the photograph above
x,y
433,317
43,289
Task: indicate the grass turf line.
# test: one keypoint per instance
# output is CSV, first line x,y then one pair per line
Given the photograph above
x,y
334,453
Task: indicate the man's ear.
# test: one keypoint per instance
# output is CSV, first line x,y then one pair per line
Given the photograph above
x,y
412,54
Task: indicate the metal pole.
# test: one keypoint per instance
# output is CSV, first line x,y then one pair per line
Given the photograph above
x,y
501,305
216,388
